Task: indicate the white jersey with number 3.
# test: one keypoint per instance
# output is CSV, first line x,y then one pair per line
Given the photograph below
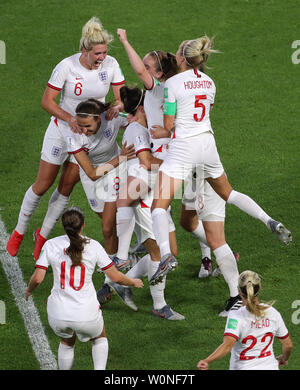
x,y
73,296
253,349
189,96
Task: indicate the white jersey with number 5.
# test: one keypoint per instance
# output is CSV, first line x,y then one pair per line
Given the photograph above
x,y
189,96
253,349
77,83
73,296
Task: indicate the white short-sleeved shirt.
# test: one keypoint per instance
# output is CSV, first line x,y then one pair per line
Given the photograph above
x,y
73,296
153,106
102,146
253,349
189,96
137,135
77,83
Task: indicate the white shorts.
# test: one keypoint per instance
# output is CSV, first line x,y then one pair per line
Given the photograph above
x,y
143,219
105,189
184,154
85,330
141,173
54,149
200,196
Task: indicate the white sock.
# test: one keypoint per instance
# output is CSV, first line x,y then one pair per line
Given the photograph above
x,y
199,233
65,357
246,204
160,226
205,250
29,205
227,263
140,269
157,291
125,227
100,353
57,204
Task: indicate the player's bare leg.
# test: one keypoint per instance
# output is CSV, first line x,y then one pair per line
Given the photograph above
x,y
57,204
46,176
223,188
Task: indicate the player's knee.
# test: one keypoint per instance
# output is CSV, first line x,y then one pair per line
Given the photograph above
x,y
107,230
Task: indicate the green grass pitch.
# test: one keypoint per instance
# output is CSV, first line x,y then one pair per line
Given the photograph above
x,y
256,124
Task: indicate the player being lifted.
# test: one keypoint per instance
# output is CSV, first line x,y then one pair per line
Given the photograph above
x,y
188,99
87,74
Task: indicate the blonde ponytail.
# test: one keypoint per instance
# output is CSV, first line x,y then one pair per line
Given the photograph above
x,y
93,34
197,51
249,285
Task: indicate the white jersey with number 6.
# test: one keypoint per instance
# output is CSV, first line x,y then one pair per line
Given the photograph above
x,y
254,347
190,95
77,83
73,296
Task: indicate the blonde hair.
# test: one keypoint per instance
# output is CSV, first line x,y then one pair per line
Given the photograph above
x,y
93,34
197,51
250,285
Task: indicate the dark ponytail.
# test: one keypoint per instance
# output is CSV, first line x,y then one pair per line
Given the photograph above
x,y
165,63
132,98
73,220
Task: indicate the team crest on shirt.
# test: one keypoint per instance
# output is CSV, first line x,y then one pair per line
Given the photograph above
x,y
108,133
103,76
56,151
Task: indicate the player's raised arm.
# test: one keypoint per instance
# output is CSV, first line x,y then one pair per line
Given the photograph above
x,y
135,60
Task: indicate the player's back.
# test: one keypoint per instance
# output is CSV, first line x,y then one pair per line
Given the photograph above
x,y
190,95
253,349
73,296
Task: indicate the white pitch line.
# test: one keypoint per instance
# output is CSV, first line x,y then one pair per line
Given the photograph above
x,y
29,312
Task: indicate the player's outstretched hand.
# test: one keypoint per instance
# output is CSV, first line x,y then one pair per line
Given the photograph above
x,y
112,112
138,283
74,125
122,35
281,361
127,152
202,365
159,132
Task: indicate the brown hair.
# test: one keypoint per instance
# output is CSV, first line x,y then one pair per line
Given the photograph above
x,y
132,98
165,63
250,285
73,220
91,107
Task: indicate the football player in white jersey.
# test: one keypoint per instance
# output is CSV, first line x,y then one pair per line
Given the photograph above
x,y
155,68
87,74
250,331
102,163
189,96
72,307
134,201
